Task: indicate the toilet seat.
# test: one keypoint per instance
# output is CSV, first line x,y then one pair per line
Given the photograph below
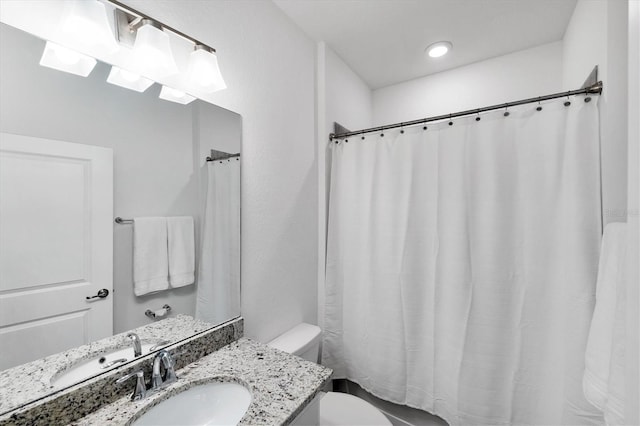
x,y
343,409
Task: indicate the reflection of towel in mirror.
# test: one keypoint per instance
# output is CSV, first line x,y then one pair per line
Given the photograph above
x,y
603,380
181,247
150,266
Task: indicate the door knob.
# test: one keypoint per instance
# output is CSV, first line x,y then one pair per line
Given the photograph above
x,y
102,293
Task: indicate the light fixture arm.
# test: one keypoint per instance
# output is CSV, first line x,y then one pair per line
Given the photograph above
x,y
137,19
139,22
135,24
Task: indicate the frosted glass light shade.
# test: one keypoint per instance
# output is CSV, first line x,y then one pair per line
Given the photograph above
x,y
151,54
203,71
84,25
173,95
128,79
64,59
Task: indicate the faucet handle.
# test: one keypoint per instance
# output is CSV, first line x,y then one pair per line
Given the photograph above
x,y
159,344
140,391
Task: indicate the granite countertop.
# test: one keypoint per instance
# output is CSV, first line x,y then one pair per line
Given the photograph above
x,y
27,382
281,385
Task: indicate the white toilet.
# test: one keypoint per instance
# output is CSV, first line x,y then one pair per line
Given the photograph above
x,y
339,409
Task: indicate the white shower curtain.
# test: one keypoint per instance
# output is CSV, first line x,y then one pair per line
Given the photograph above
x,y
461,264
218,295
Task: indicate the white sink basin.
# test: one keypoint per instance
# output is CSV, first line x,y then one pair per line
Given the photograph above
x,y
99,364
207,404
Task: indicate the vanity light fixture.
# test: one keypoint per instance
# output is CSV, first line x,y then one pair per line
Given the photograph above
x,y
151,53
84,25
128,80
199,71
439,49
203,71
174,95
141,50
68,60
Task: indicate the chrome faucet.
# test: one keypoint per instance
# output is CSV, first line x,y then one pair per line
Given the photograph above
x,y
163,358
135,341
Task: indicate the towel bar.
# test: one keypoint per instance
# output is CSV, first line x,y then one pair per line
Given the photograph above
x,y
122,221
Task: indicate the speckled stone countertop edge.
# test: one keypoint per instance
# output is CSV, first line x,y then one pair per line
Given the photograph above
x,y
281,385
72,403
29,382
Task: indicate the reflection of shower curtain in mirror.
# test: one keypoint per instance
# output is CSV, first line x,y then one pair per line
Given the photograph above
x,y
218,297
461,264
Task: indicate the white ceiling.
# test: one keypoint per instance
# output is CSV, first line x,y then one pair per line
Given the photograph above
x,y
384,40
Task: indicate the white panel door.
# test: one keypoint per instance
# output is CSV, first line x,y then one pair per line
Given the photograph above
x,y
56,246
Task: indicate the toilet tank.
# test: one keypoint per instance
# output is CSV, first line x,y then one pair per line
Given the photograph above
x,y
302,340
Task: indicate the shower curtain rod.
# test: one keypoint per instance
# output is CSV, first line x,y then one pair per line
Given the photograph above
x,y
595,88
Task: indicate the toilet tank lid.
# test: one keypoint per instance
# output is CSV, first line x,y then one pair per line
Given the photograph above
x,y
298,339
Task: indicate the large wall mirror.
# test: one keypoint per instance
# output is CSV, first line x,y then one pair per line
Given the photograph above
x,y
159,151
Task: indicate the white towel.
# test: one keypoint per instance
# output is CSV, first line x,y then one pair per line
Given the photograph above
x,y
603,381
182,255
150,265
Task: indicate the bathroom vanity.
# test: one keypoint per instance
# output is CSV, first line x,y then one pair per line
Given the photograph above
x,y
281,386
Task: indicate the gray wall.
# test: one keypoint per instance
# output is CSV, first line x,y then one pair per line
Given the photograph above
x,y
597,35
268,64
159,149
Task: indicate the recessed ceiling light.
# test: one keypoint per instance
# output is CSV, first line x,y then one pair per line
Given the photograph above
x,y
438,49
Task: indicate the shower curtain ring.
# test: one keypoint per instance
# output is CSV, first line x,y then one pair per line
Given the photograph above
x,y
478,115
401,129
567,102
362,135
539,106
450,121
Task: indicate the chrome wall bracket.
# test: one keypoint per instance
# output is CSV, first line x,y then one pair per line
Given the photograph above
x,y
128,19
592,79
125,27
221,155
